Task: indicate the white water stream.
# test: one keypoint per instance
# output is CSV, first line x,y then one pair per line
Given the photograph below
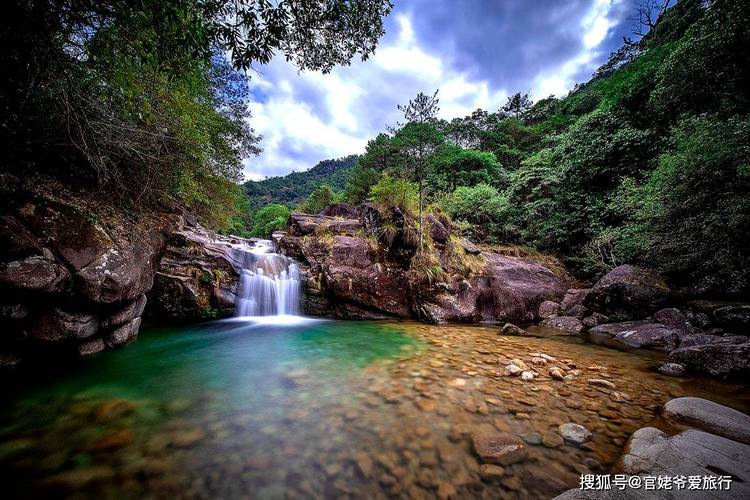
x,y
269,283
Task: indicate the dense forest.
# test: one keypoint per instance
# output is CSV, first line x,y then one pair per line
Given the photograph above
x,y
294,188
647,162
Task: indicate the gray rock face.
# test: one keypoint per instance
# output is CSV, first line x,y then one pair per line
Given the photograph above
x,y
711,417
690,453
628,292
567,324
675,319
725,360
642,334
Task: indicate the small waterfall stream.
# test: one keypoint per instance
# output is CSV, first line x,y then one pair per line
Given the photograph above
x,y
269,282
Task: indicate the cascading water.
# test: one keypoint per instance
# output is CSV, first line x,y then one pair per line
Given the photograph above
x,y
269,282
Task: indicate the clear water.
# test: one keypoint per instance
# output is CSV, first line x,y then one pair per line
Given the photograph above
x,y
284,407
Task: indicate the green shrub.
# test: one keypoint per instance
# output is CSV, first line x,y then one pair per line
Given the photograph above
x,y
482,206
270,218
396,192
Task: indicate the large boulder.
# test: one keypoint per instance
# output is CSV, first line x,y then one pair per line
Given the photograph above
x,y
724,359
735,317
568,324
643,334
573,300
690,453
354,277
628,292
198,276
306,224
711,417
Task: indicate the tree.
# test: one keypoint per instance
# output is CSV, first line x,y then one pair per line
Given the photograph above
x,y
270,218
517,104
144,97
417,139
320,198
380,154
451,167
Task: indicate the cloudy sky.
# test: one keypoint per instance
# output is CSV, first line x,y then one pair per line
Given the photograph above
x,y
476,52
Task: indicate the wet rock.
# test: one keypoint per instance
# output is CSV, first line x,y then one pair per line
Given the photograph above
x,y
77,479
124,334
577,311
565,323
532,438
519,363
711,417
91,347
446,490
503,449
548,308
111,441
697,339
672,369
186,438
114,409
490,472
629,292
556,373
513,370
690,453
723,360
574,433
527,375
601,383
511,329
594,320
644,334
552,439
59,325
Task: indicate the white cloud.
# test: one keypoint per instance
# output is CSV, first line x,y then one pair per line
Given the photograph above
x,y
595,26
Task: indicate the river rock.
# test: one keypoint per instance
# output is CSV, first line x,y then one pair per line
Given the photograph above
x,y
568,324
692,452
552,439
503,448
629,292
711,417
724,360
491,472
548,308
527,375
511,329
644,334
574,433
672,369
600,382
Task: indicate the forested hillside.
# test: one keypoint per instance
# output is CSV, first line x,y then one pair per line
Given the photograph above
x,y
292,189
648,162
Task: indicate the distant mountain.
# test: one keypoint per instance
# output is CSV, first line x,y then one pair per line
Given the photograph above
x,y
291,189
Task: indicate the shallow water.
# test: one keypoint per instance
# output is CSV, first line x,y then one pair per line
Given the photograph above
x,y
289,408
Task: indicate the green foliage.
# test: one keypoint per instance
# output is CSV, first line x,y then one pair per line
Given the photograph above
x,y
694,208
291,190
270,218
482,206
452,166
319,199
395,192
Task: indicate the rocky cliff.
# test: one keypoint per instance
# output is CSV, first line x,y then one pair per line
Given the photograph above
x,y
363,263
73,274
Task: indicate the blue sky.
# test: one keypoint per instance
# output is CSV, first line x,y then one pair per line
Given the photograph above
x,y
476,52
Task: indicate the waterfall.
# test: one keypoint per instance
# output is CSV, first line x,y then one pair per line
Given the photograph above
x,y
269,282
